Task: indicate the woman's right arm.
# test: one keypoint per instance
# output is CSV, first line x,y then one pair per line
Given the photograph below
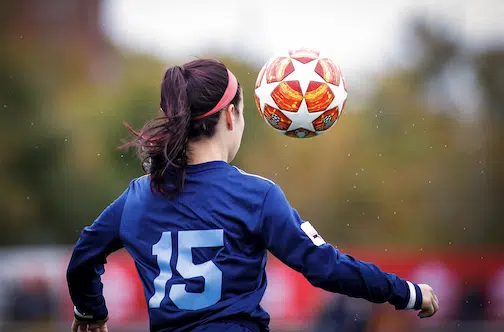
x,y
297,244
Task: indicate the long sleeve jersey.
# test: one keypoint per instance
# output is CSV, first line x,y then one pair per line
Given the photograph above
x,y
201,257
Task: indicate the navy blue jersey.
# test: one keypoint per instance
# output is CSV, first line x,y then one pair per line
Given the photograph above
x,y
201,257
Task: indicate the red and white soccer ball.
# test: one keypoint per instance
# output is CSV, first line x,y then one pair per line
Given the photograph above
x,y
301,93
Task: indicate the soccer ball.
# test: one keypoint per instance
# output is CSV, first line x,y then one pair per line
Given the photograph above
x,y
301,93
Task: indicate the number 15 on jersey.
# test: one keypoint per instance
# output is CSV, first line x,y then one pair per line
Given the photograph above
x,y
187,269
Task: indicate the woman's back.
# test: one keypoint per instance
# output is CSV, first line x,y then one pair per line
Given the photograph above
x,y
199,256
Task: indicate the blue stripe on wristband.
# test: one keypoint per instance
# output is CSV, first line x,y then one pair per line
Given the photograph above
x,y
419,298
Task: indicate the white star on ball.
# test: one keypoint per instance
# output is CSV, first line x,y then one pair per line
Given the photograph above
x,y
302,118
304,74
340,95
263,92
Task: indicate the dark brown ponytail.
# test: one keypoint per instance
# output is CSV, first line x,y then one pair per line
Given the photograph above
x,y
186,91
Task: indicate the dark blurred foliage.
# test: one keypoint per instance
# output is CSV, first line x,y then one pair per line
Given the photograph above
x,y
417,163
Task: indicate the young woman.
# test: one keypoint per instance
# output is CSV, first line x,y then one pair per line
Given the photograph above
x,y
199,229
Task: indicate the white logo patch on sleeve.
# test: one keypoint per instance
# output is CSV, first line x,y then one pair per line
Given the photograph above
x,y
312,234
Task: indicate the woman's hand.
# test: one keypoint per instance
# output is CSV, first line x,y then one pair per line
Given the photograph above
x,y
430,303
80,326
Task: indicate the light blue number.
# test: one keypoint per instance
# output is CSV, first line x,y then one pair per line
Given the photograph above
x,y
163,251
187,269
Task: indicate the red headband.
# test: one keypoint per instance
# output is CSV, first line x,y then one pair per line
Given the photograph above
x,y
227,97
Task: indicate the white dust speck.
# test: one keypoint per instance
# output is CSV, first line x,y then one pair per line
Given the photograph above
x,y
98,154
28,197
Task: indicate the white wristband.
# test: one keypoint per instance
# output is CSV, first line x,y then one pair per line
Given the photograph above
x,y
80,315
412,296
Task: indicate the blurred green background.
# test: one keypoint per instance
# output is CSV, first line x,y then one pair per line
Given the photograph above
x,y
407,162
416,162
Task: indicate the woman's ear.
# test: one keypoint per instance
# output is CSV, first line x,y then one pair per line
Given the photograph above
x,y
230,110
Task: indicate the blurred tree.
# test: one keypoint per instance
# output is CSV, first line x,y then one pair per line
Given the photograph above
x,y
489,66
29,156
441,53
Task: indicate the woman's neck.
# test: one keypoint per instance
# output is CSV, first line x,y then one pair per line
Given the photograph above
x,y
204,151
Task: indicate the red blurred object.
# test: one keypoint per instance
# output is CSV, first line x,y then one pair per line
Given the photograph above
x,y
292,300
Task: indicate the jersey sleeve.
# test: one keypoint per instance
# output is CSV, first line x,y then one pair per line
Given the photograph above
x,y
297,244
86,265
